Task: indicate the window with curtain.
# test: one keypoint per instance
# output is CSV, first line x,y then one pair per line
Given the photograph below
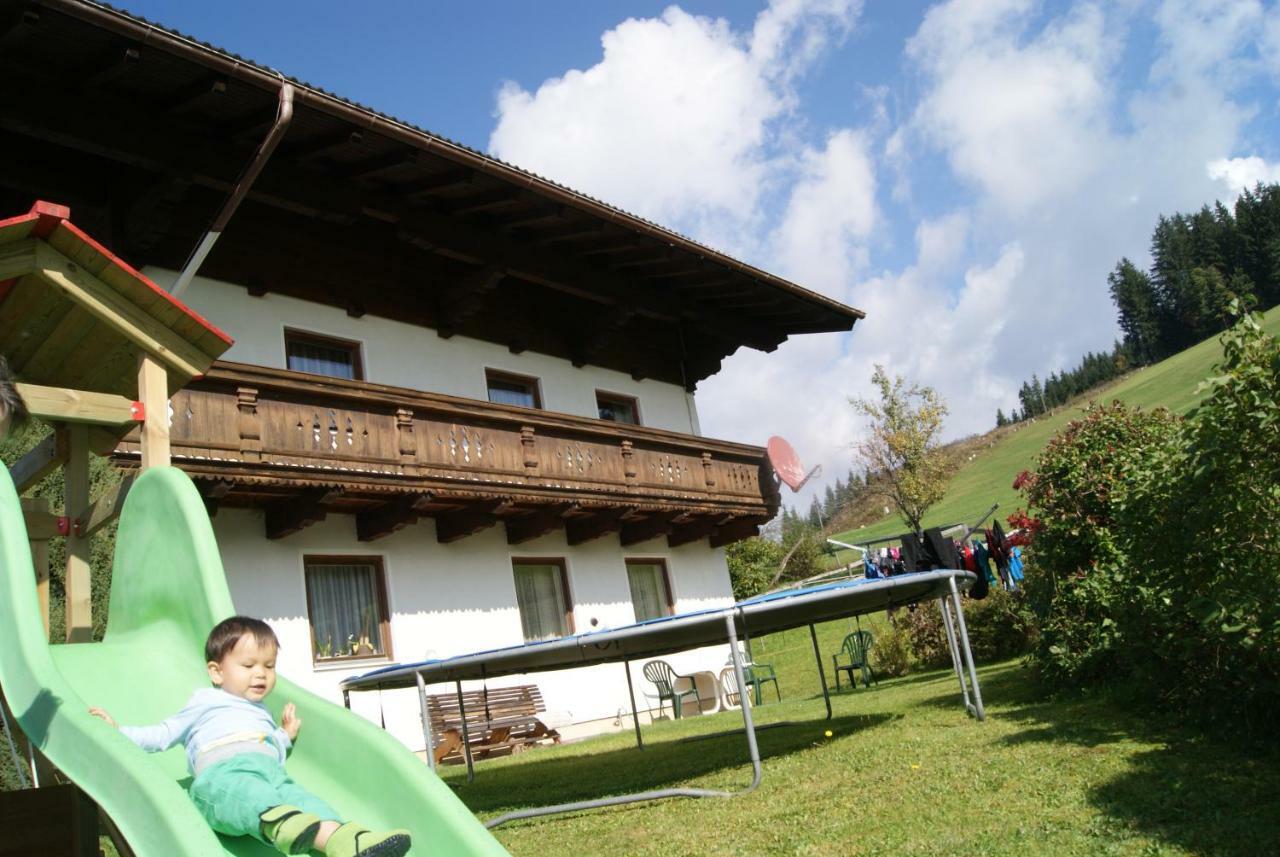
x,y
347,606
512,390
541,596
617,409
320,355
649,593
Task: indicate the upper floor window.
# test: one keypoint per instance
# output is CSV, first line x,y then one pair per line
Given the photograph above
x,y
618,409
322,355
650,588
505,389
542,595
347,607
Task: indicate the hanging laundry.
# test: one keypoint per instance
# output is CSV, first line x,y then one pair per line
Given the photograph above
x,y
984,561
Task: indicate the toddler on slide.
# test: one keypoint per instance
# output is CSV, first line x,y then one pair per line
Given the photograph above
x,y
236,754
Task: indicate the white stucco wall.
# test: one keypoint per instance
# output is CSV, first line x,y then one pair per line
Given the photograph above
x,y
458,598
406,355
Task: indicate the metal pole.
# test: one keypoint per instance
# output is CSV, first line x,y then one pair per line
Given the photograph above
x,y
747,721
466,736
954,649
968,653
635,718
425,713
346,699
822,675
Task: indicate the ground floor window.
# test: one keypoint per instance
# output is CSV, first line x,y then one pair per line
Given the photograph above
x,y
347,606
542,594
650,588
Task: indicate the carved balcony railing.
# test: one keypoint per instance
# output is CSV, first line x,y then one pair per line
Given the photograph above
x,y
302,446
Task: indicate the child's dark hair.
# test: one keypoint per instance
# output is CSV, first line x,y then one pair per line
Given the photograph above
x,y
225,635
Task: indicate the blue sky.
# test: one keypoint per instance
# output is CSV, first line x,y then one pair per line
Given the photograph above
x,y
965,171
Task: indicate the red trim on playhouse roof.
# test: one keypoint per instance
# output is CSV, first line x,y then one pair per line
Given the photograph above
x,y
47,217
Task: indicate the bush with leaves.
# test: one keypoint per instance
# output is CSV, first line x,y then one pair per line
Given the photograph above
x,y
1202,537
1157,560
1076,581
891,653
753,563
1000,625
926,634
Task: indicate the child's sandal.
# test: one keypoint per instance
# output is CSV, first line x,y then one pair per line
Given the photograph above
x,y
289,829
352,840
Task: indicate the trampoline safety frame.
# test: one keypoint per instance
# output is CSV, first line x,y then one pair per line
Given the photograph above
x,y
963,665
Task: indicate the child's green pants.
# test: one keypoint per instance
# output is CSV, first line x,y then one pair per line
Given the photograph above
x,y
231,795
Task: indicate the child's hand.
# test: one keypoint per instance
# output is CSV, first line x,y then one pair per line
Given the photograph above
x,y
98,712
290,722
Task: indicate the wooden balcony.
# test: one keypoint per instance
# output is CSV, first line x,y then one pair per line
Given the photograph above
x,y
302,446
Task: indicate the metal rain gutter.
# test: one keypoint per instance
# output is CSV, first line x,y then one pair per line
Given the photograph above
x,y
239,190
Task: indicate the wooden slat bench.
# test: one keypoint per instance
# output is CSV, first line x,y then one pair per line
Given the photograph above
x,y
508,722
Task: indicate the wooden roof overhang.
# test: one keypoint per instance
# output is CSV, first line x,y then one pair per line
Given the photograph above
x,y
300,447
149,129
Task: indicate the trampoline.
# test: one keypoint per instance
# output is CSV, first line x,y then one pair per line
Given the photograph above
x,y
764,614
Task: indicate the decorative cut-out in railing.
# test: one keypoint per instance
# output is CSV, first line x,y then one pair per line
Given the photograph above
x,y
668,469
465,444
573,457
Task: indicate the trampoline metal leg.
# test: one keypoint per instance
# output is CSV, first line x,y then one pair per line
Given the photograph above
x,y
466,736
954,648
747,720
635,717
346,699
822,675
979,712
426,721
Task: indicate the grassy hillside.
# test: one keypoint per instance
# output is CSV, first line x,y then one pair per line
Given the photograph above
x,y
989,477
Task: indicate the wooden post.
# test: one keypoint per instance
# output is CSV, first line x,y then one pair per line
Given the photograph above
x,y
79,606
153,392
40,557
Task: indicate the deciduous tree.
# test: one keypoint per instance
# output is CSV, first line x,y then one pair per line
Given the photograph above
x,y
905,425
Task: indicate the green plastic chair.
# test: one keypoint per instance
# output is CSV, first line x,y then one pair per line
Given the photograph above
x,y
664,678
856,649
760,674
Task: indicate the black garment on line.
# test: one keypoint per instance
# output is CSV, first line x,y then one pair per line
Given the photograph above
x,y
940,550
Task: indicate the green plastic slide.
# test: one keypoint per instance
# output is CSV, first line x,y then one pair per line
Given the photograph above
x,y
167,591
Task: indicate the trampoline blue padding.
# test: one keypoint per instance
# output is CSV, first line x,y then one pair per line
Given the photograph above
x,y
764,614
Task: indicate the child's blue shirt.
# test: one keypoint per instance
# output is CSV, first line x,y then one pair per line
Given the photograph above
x,y
210,714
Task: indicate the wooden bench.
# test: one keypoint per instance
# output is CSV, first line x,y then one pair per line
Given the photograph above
x,y
498,719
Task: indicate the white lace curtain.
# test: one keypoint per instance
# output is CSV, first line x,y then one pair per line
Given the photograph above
x,y
648,590
541,601
343,603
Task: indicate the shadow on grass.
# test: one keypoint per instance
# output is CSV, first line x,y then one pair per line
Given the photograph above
x,y
1208,794
565,777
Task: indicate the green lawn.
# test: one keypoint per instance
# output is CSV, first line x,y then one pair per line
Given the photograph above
x,y
989,478
906,771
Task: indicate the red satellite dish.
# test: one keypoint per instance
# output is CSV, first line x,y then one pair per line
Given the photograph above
x,y
787,464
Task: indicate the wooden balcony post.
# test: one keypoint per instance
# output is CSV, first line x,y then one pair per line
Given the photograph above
x,y
629,462
249,427
707,473
406,442
527,443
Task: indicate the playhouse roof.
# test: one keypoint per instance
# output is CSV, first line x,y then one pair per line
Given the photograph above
x,y
74,315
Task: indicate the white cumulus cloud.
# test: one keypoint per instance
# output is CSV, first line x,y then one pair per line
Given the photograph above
x,y
1242,173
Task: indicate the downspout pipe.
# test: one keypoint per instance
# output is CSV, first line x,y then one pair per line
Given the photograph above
x,y
284,114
